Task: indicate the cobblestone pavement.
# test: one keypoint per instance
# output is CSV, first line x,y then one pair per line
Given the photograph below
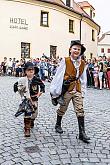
x,y
45,147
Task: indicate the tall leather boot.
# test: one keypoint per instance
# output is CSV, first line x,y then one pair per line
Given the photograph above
x,y
58,127
27,126
82,134
32,123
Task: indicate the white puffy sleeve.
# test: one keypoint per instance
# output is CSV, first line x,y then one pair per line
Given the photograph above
x,y
83,80
23,88
56,84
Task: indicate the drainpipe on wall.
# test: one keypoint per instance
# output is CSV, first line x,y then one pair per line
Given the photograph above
x,y
81,25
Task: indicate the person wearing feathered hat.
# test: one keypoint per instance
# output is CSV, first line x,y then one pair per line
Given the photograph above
x,y
28,87
71,79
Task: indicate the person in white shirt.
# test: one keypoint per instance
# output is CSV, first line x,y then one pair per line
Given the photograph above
x,y
71,69
9,66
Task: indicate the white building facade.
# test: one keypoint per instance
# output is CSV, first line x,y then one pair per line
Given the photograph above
x,y
104,45
29,28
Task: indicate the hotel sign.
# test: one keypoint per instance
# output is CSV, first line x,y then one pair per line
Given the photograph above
x,y
18,23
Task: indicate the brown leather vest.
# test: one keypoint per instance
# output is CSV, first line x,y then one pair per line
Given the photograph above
x,y
71,72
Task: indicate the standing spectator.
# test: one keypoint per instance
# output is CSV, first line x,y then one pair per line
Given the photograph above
x,y
108,72
21,68
17,68
100,73
104,60
42,69
0,70
13,67
95,74
9,67
4,66
90,67
49,66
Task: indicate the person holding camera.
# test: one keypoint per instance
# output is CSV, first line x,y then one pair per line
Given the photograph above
x,y
71,70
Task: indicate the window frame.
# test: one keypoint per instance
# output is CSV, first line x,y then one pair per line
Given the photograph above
x,y
108,50
41,19
68,3
102,50
93,35
71,30
91,13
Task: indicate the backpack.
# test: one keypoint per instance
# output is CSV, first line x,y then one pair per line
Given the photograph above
x,y
15,87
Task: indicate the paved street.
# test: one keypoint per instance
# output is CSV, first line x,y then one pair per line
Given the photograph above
x,y
45,147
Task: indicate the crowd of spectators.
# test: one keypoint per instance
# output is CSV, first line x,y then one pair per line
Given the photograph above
x,y
12,67
98,72
98,69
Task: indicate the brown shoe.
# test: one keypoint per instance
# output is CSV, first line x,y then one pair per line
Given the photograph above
x,y
27,126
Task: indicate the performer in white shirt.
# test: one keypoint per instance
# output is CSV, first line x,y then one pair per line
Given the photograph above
x,y
72,71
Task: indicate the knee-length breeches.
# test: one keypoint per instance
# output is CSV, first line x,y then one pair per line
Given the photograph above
x,y
77,101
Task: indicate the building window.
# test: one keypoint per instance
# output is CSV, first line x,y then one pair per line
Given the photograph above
x,y
44,18
25,50
93,35
53,51
102,50
91,13
71,26
108,50
68,3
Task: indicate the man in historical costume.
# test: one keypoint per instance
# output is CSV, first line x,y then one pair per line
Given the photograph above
x,y
71,69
